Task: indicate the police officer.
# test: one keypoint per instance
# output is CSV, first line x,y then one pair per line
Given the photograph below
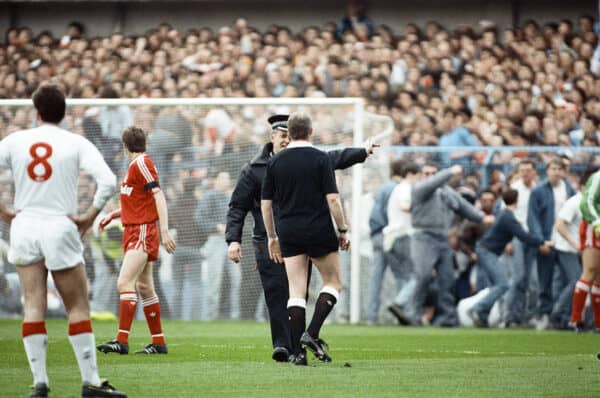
x,y
246,198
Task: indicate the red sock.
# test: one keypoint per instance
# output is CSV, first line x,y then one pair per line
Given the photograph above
x,y
152,312
127,307
30,328
80,327
579,296
596,305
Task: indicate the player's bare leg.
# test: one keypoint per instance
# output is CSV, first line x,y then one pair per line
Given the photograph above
x,y
32,279
133,265
72,286
151,304
297,272
589,282
591,261
329,268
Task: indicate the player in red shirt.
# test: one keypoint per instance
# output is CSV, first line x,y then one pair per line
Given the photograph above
x,y
142,204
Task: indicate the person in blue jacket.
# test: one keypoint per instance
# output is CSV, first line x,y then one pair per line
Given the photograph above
x,y
491,246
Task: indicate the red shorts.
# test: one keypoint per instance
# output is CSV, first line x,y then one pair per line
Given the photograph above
x,y
588,236
143,236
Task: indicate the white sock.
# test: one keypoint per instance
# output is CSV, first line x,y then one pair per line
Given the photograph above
x,y
35,348
85,351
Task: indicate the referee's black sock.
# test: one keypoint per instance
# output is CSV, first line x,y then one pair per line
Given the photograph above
x,y
327,299
297,312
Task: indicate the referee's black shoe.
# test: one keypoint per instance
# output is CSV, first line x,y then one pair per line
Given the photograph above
x,y
280,354
317,346
40,390
101,391
114,346
299,359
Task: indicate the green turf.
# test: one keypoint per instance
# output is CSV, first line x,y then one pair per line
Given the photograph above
x,y
233,360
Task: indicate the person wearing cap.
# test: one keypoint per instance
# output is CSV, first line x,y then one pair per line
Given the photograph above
x,y
246,198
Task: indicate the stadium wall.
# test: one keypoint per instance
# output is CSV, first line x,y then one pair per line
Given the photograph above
x,y
135,17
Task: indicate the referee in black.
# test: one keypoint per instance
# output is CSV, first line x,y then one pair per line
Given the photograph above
x,y
246,198
300,185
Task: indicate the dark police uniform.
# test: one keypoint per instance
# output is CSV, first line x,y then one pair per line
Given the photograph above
x,y
246,198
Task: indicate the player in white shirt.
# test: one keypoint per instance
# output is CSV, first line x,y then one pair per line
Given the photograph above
x,y
396,242
567,245
45,233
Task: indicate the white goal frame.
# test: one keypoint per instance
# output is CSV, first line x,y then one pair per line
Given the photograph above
x,y
357,182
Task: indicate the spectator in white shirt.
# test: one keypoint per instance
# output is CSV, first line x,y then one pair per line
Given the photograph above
x,y
396,242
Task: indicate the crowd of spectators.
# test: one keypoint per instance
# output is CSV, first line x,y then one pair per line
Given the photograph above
x,y
528,85
466,86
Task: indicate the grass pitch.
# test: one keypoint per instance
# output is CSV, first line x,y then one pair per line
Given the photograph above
x,y
227,359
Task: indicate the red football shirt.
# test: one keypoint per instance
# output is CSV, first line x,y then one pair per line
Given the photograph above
x,y
137,192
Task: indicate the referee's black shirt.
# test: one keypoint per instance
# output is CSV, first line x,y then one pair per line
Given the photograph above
x,y
297,180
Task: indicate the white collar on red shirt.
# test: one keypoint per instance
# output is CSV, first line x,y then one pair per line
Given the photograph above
x,y
300,144
137,157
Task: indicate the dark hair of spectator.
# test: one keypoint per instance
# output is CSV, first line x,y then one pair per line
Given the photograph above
x,y
527,161
431,165
532,23
510,196
567,22
538,115
487,191
553,26
410,167
134,139
557,162
49,101
397,167
588,18
44,33
299,126
108,92
78,26
491,29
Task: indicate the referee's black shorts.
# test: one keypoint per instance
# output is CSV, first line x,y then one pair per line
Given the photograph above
x,y
314,248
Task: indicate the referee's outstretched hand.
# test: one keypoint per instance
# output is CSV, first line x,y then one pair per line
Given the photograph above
x,y
275,251
370,145
344,241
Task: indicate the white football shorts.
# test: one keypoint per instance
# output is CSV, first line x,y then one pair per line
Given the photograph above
x,y
35,237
